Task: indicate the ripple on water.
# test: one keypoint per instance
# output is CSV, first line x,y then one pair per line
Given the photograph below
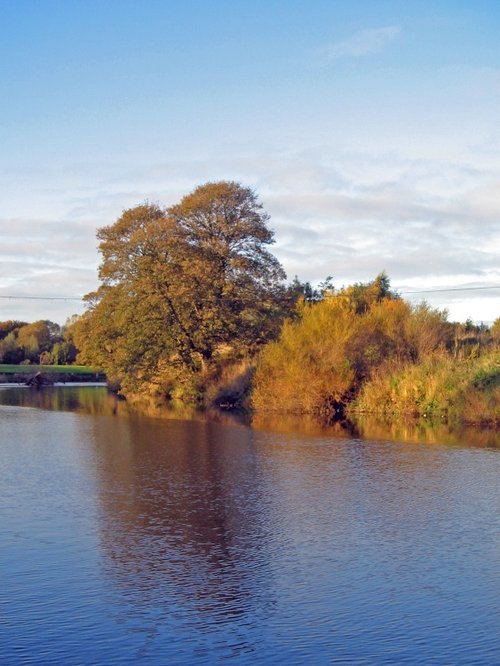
x,y
129,540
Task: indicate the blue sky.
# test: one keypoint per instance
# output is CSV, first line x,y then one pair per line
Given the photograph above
x,y
369,129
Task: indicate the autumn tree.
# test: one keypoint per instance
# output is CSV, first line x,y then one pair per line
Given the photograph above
x,y
42,341
182,286
9,349
64,351
10,326
38,337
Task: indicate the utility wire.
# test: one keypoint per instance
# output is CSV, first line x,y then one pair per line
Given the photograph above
x,y
42,298
435,291
75,298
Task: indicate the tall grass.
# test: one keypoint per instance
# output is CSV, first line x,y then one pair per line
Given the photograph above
x,y
467,391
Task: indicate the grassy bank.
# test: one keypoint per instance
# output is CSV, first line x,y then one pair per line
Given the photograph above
x,y
10,369
10,373
466,391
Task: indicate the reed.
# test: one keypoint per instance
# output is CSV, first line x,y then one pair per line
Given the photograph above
x,y
466,391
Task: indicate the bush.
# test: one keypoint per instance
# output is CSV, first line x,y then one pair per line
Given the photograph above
x,y
364,349
466,391
321,360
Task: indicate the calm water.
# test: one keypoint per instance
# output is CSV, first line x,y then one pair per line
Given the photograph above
x,y
137,539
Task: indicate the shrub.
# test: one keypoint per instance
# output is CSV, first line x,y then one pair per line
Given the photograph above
x,y
466,391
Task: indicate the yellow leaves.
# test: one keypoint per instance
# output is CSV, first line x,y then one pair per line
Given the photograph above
x,y
178,283
340,343
306,367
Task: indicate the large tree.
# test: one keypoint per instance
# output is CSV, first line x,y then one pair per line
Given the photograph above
x,y
183,285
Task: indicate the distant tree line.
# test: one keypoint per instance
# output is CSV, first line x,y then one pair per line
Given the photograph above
x,y
41,342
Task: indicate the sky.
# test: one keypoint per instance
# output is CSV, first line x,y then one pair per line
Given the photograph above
x,y
370,130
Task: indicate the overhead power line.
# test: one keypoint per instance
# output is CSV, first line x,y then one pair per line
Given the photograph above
x,y
42,298
80,298
435,291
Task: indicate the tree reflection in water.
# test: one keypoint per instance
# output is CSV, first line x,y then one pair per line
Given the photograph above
x,y
290,540
99,401
184,519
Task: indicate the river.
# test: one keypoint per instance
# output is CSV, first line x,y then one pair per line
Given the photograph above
x,y
129,538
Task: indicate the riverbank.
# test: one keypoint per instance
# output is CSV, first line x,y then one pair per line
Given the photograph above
x,y
439,388
363,351
50,374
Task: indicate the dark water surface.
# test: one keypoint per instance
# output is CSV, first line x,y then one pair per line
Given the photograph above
x,y
134,539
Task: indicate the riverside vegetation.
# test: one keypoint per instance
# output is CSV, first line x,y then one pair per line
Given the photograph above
x,y
193,307
43,342
41,347
365,350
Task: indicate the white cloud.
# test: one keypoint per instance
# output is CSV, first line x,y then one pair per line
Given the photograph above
x,y
428,223
363,43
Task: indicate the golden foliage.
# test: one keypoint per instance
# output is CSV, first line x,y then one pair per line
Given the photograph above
x,y
366,349
467,390
320,360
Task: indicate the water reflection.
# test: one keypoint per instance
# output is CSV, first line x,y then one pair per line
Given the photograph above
x,y
99,401
183,524
427,432
368,427
165,540
80,399
224,529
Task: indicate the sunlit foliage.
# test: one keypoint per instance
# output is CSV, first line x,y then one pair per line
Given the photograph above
x,y
495,331
34,343
320,359
181,288
441,387
364,349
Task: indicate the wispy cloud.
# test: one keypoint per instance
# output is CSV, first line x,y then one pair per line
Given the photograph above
x,y
363,43
428,223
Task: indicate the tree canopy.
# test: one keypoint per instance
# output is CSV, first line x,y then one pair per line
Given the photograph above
x,y
42,341
181,286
